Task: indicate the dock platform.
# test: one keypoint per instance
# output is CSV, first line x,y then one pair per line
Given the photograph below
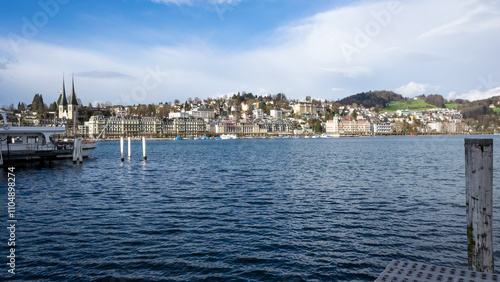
x,y
415,271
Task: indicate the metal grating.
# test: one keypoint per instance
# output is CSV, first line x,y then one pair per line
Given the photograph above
x,y
416,271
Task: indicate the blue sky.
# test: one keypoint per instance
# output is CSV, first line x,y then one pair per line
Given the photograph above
x,y
151,51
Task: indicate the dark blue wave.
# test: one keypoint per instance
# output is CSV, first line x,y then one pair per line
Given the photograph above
x,y
245,210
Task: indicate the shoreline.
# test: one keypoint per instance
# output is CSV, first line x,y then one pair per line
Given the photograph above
x,y
316,136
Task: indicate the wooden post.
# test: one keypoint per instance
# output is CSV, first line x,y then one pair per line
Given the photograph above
x,y
479,203
77,150
144,148
121,148
129,148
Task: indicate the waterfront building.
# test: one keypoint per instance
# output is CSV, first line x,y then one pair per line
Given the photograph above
x,y
95,125
381,128
117,126
363,127
435,126
261,128
151,126
349,125
184,126
332,125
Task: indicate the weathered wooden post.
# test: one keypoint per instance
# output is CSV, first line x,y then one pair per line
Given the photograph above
x,y
144,148
129,148
479,203
121,148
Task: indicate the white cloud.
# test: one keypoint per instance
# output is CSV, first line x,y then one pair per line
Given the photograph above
x,y
478,16
414,89
228,2
475,94
300,58
350,71
451,95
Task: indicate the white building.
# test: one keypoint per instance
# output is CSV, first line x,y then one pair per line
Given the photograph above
x,y
382,127
437,126
245,107
178,115
202,113
332,125
276,113
258,114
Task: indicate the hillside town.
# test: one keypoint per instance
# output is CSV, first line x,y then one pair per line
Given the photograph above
x,y
242,115
300,118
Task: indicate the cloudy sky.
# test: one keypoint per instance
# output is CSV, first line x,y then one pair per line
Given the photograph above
x,y
150,51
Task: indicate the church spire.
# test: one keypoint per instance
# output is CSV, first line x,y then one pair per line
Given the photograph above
x,y
62,100
72,98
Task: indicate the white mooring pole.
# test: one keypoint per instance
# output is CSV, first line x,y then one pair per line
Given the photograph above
x,y
479,203
77,150
121,148
129,148
144,148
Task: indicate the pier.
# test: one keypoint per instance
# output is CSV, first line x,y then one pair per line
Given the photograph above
x,y
479,204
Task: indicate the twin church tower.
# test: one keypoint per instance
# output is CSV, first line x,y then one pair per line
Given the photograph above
x,y
65,109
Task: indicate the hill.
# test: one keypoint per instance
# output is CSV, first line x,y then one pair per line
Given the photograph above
x,y
378,99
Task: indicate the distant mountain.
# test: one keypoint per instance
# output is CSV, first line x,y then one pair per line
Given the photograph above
x,y
378,99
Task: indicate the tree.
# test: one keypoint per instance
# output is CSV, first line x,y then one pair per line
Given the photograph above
x,y
436,100
21,107
354,114
53,107
35,102
151,109
87,115
328,116
317,126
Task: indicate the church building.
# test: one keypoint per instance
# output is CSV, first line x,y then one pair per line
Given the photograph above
x,y
67,109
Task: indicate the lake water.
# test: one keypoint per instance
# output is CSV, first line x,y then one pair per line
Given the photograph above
x,y
244,210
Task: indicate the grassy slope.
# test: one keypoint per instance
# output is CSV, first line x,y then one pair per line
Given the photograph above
x,y
452,105
416,105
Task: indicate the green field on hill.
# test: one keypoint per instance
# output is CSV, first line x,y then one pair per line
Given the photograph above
x,y
415,105
452,105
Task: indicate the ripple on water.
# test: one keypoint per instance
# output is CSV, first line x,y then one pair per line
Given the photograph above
x,y
293,210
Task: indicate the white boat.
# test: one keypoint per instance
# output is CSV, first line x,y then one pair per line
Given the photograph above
x,y
228,136
24,143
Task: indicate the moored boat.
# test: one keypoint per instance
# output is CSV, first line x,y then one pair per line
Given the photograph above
x,y
24,143
228,136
